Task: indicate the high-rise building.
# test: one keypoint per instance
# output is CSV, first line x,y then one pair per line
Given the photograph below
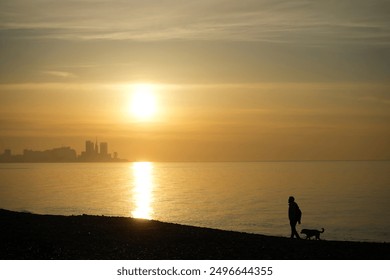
x,y
104,149
96,147
89,148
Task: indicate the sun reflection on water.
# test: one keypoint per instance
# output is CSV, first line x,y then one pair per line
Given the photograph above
x,y
143,187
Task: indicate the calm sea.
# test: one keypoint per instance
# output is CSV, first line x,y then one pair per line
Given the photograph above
x,y
349,199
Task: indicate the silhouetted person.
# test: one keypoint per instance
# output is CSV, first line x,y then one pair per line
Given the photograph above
x,y
294,215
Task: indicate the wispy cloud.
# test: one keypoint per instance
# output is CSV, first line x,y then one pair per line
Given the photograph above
x,y
299,21
60,74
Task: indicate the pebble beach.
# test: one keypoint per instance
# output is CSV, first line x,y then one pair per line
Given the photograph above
x,y
86,237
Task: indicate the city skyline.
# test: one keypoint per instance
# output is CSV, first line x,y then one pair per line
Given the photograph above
x,y
92,153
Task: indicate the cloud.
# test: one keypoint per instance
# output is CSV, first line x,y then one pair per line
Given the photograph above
x,y
60,74
297,21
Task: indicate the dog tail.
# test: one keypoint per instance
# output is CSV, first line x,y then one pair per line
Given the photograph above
x,y
322,230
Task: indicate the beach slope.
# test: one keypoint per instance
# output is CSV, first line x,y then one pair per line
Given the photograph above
x,y
32,236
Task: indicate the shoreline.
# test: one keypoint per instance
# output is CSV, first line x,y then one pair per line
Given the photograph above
x,y
88,237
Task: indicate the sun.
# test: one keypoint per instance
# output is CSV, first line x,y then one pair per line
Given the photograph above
x,y
143,102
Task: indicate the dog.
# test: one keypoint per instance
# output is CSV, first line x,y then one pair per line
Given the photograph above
x,y
312,232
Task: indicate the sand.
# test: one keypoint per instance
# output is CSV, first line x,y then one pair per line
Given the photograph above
x,y
86,237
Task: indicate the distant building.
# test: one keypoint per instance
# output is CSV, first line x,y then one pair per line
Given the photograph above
x,y
7,153
89,148
63,154
6,156
104,148
96,148
97,152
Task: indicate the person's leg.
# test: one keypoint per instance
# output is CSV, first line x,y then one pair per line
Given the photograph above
x,y
294,230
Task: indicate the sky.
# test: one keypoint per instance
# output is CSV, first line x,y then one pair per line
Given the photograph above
x,y
231,80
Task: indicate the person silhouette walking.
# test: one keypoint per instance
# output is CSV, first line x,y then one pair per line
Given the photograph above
x,y
294,215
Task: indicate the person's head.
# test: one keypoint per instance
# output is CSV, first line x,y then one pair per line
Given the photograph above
x,y
291,199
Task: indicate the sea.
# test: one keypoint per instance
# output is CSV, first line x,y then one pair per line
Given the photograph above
x,y
349,199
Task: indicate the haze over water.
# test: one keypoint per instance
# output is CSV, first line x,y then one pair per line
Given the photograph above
x,y
348,198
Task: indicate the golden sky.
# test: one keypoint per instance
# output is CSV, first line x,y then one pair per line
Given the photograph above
x,y
230,80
